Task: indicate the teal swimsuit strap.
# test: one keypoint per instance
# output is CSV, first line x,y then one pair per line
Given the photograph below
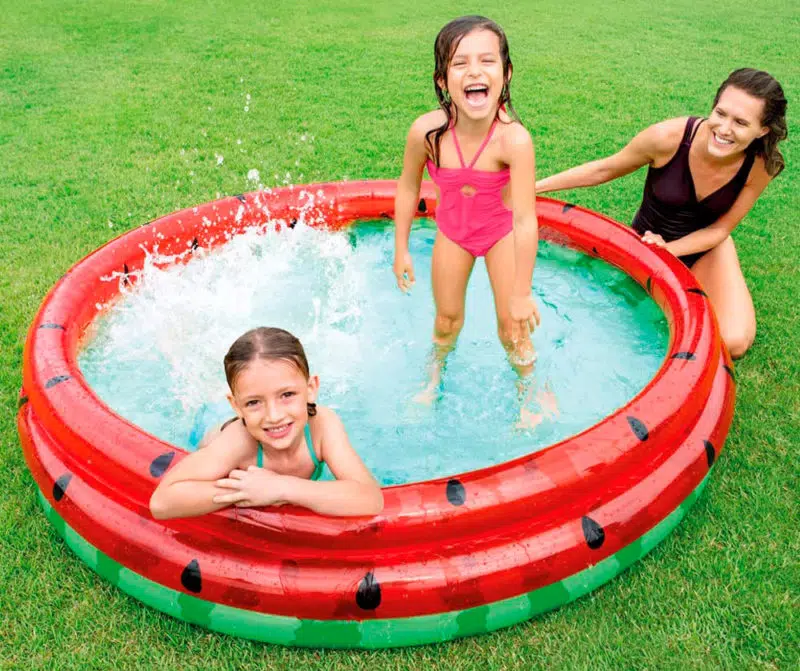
x,y
318,465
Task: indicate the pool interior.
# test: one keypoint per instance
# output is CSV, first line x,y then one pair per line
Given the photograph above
x,y
155,356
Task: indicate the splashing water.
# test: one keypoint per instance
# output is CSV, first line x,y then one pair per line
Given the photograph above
x,y
156,358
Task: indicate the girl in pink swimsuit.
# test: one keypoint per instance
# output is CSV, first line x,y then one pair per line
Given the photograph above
x,y
481,159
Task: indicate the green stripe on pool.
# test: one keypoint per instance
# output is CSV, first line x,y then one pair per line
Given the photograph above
x,y
385,633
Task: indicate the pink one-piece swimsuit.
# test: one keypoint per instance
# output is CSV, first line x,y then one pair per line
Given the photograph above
x,y
471,211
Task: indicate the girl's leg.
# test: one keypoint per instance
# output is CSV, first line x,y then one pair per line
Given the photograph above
x,y
534,406
500,266
720,275
451,267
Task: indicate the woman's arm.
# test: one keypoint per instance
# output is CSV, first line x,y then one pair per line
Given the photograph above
x,y
188,488
710,236
653,143
407,198
354,492
522,163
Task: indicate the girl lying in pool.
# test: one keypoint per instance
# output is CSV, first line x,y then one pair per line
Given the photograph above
x,y
273,451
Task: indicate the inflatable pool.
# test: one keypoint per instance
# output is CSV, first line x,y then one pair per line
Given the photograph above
x,y
450,557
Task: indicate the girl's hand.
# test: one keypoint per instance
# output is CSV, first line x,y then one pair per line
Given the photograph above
x,y
524,316
404,271
253,487
653,239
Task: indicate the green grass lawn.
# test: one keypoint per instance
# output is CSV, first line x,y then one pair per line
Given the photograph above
x,y
113,113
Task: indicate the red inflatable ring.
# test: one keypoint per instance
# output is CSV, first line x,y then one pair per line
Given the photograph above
x,y
446,558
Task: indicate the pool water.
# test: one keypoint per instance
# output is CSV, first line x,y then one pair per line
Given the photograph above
x,y
155,356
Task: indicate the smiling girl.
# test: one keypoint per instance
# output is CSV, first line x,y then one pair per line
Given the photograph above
x,y
481,159
273,451
704,176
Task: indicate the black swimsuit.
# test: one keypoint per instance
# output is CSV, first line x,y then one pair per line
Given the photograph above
x,y
669,204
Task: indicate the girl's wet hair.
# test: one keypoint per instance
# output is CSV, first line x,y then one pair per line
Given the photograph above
x,y
760,84
270,344
447,42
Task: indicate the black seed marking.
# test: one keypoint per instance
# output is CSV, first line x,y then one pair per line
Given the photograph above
x,y
53,381
638,427
710,454
195,244
730,372
456,493
51,325
567,207
700,292
649,285
594,250
125,271
386,215
22,401
688,356
592,532
368,596
423,206
60,486
240,196
191,578
293,223
161,463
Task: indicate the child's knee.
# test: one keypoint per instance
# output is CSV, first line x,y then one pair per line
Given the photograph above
x,y
448,326
506,335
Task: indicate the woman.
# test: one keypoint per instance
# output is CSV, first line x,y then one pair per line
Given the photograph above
x,y
704,176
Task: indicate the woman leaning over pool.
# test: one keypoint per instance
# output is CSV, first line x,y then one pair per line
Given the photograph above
x,y
704,175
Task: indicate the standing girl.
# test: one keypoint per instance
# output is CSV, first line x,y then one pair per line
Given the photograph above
x,y
704,175
481,160
273,451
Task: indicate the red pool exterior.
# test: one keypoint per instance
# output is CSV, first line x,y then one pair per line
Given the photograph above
x,y
442,545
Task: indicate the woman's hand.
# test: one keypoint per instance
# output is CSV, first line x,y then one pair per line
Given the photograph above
x,y
253,487
404,271
651,238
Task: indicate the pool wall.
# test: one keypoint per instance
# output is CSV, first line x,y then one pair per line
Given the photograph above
x,y
448,557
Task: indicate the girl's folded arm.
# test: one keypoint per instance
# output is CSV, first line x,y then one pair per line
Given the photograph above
x,y
355,491
188,488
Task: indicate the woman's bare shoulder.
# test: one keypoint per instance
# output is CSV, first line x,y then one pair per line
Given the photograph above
x,y
666,135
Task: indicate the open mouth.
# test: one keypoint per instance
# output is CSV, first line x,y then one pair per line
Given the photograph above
x,y
722,141
476,94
